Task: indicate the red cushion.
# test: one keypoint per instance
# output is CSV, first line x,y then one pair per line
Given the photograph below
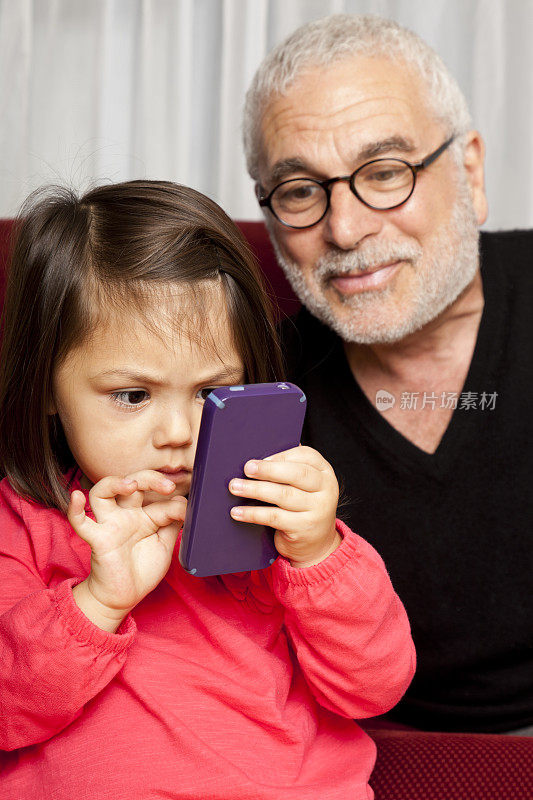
x,y
415,765
6,226
259,240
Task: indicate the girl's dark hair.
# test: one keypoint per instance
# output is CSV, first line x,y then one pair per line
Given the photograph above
x,y
119,240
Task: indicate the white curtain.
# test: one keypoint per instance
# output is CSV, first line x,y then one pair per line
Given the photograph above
x,y
104,90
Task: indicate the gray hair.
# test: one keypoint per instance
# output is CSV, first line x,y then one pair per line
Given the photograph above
x,y
342,36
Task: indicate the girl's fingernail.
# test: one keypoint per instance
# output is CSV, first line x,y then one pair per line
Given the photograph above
x,y
168,484
236,512
252,467
237,485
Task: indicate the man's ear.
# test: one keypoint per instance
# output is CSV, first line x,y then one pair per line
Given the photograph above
x,y
474,161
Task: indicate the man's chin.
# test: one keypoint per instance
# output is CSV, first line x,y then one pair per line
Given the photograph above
x,y
357,328
390,314
368,318
379,318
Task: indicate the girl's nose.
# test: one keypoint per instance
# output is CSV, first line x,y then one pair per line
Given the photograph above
x,y
173,430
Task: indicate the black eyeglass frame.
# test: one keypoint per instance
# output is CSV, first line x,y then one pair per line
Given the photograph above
x,y
326,184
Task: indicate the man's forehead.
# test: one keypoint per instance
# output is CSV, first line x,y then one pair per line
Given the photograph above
x,y
348,82
362,107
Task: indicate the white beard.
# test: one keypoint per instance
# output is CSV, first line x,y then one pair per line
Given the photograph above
x,y
442,271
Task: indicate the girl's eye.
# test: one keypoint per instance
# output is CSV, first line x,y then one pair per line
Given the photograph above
x,y
202,394
130,398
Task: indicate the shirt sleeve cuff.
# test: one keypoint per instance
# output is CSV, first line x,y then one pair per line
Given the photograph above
x,y
85,631
286,575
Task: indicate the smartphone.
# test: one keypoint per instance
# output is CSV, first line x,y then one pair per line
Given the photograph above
x,y
238,423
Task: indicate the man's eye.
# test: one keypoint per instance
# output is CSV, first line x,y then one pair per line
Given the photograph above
x,y
387,174
130,397
301,192
298,193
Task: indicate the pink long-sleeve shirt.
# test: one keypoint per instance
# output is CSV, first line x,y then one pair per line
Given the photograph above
x,y
242,686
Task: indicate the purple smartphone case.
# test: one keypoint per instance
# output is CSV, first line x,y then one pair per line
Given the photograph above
x,y
238,423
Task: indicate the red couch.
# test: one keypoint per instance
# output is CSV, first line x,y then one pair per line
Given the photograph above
x,y
259,241
411,765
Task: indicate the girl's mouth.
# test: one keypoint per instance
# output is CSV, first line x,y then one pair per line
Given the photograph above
x,y
176,474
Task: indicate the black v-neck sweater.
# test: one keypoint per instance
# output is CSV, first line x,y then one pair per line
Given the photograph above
x,y
454,527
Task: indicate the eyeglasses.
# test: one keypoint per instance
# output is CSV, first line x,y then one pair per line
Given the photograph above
x,y
383,183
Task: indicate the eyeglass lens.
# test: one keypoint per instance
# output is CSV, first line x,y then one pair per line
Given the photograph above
x,y
381,184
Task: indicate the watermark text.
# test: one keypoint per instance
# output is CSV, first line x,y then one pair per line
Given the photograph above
x,y
414,401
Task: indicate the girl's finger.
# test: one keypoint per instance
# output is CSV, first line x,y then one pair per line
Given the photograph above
x,y
169,535
149,480
167,512
134,500
300,475
301,454
277,518
146,480
281,495
102,496
80,522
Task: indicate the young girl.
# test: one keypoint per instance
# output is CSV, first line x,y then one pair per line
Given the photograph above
x,y
122,676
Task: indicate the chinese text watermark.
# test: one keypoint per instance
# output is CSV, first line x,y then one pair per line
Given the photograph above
x,y
413,401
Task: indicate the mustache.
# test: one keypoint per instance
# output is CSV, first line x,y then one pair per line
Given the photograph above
x,y
366,258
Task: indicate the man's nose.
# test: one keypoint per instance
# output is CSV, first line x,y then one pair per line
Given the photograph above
x,y
348,220
173,429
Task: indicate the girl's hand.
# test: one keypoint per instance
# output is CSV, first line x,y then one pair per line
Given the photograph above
x,y
131,544
303,492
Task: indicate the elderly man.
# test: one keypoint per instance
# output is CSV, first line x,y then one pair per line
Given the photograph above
x,y
414,347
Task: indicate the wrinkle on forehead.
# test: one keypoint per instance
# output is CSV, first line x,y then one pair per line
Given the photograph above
x,y
344,108
307,114
285,167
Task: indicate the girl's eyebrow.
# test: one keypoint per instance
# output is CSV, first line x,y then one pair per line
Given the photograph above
x,y
130,375
232,375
